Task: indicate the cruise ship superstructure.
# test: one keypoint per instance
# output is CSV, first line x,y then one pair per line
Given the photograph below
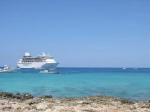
x,y
43,61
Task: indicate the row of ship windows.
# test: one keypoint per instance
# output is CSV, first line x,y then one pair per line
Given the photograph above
x,y
31,61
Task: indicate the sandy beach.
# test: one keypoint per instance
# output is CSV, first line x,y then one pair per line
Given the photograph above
x,y
27,103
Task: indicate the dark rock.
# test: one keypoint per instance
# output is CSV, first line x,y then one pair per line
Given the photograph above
x,y
148,101
32,102
18,96
126,101
146,105
6,94
46,96
7,108
27,96
15,96
88,110
86,102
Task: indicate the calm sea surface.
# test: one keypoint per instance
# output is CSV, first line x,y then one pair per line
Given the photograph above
x,y
79,82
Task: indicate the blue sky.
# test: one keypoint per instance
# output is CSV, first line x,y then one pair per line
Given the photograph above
x,y
78,33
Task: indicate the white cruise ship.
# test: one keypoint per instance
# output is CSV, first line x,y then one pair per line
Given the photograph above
x,y
40,62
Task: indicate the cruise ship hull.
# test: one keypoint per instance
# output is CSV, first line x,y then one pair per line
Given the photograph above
x,y
30,70
36,65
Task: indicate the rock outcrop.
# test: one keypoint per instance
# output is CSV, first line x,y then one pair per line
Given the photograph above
x,y
7,95
27,103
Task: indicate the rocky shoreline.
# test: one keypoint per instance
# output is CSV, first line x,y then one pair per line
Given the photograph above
x,y
27,103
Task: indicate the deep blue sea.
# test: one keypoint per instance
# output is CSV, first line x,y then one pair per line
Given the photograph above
x,y
79,82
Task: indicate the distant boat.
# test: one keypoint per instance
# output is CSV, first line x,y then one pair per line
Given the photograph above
x,y
124,68
51,72
5,68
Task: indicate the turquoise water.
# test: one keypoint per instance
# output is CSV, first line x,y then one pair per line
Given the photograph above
x,y
80,82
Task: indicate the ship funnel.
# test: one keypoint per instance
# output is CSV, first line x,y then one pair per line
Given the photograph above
x,y
27,54
43,54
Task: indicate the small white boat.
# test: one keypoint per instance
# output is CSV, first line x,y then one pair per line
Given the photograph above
x,y
5,68
124,68
49,72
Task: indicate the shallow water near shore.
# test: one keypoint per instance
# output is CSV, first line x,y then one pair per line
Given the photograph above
x,y
80,82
